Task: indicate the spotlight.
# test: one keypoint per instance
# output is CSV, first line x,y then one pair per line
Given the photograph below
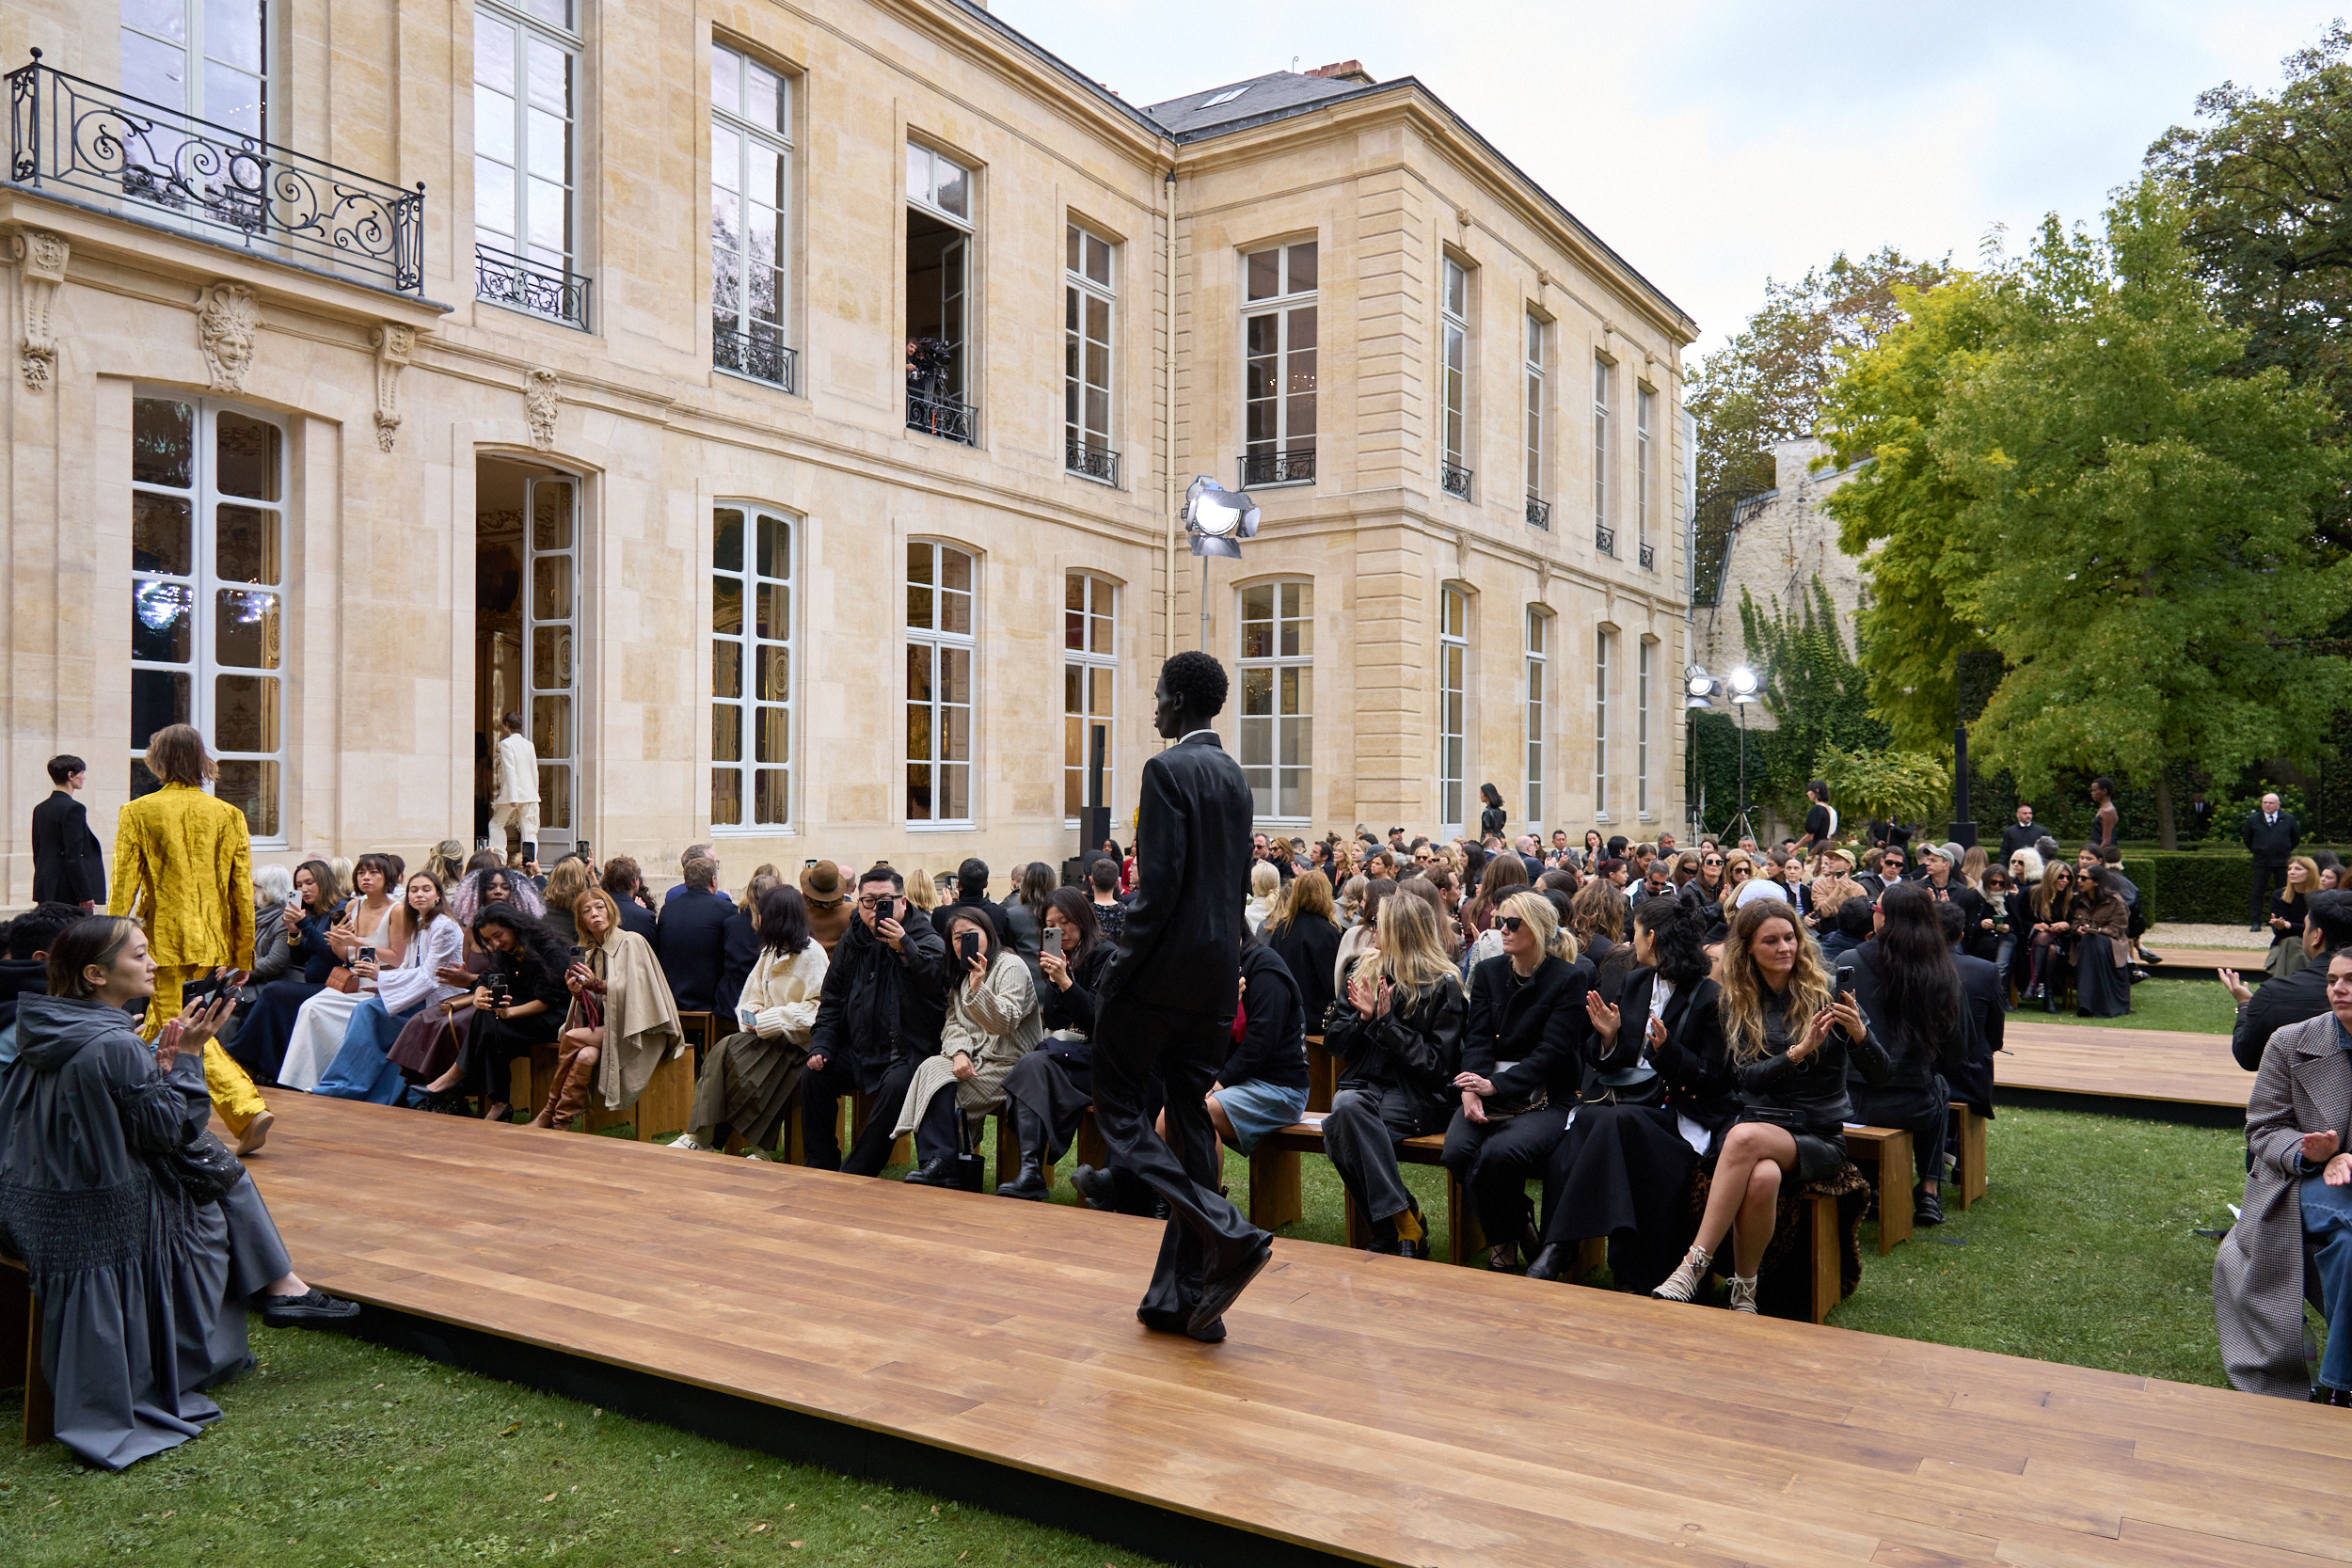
x,y
1743,682
1218,518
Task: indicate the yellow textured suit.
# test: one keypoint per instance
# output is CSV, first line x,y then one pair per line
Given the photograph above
x,y
183,864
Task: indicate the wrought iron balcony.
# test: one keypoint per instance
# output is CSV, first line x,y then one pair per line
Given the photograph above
x,y
1538,512
1092,461
1649,558
1604,539
1457,481
504,278
69,134
1295,466
761,358
942,416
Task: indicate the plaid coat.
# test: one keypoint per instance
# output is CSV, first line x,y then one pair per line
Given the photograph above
x,y
2304,1086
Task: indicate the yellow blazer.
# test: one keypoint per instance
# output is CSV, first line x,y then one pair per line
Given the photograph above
x,y
186,862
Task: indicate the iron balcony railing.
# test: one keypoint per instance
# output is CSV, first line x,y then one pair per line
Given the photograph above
x,y
504,278
1538,512
1093,462
1604,539
231,188
1649,558
761,358
1455,480
1295,466
942,416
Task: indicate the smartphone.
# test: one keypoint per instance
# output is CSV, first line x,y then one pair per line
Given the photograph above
x,y
367,954
578,953
1844,985
967,945
806,864
199,990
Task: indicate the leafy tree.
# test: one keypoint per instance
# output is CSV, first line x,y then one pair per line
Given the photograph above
x,y
1813,688
1888,785
2266,188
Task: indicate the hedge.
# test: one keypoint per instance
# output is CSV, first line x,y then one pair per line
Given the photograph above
x,y
2189,887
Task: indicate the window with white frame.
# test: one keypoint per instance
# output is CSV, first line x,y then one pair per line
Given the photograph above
x,y
1537,512
526,70
751,184
1276,662
942,586
750,667
1642,398
1087,301
1452,705
1538,672
209,59
1604,538
1601,723
1089,686
1454,320
938,295
1641,728
1278,335
208,591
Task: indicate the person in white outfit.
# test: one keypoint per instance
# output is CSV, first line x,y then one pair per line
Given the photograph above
x,y
749,1077
514,791
432,946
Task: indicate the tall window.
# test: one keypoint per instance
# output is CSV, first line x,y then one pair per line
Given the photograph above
x,y
209,59
1279,347
1538,628
1089,681
941,586
1640,727
1454,317
1642,398
1604,537
1601,723
1538,510
208,585
1452,704
1278,631
526,65
938,290
751,170
750,667
1086,300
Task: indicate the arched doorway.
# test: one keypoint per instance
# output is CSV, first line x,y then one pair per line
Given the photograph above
x,y
527,576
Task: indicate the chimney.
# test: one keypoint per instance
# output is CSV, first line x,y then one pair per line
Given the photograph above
x,y
1345,70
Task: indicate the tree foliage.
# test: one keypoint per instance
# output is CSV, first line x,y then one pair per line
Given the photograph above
x,y
1813,689
1888,785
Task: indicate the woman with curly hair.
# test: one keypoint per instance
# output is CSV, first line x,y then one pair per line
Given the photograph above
x,y
1789,1039
1598,918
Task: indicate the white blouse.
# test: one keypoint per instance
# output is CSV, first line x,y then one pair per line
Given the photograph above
x,y
415,983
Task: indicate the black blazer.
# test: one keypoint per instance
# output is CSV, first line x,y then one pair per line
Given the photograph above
x,y
2270,842
68,865
1539,1027
1695,1060
690,941
2276,1004
738,953
1982,987
1908,1069
1309,947
636,917
1415,1048
1179,947
2019,835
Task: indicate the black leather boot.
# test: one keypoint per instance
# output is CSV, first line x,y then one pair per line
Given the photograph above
x,y
1030,1183
1550,1262
1097,1187
940,1172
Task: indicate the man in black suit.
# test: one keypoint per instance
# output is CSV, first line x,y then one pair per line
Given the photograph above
x,y
1166,1003
691,937
67,866
2019,834
2271,835
2327,929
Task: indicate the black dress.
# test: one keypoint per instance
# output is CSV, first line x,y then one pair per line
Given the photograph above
x,y
1055,1082
266,1025
1807,1096
492,1043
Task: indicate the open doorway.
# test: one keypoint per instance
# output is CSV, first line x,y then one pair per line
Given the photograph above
x,y
938,273
526,626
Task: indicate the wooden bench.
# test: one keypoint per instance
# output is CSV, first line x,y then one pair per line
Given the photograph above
x,y
1969,1174
20,1324
662,1109
1322,1076
1886,1153
1275,1199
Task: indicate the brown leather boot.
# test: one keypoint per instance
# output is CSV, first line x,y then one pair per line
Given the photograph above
x,y
569,1091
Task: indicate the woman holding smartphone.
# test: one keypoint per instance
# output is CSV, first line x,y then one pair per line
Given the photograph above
x,y
260,1045
515,1011
365,942
1048,1090
993,1022
430,945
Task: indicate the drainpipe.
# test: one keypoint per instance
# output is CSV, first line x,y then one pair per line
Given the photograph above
x,y
1167,427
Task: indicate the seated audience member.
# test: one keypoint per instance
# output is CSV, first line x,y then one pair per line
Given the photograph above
x,y
273,889
740,943
1986,993
1789,1045
1397,1032
622,1021
1264,883
432,1040
1023,912
518,1007
565,883
142,1290
366,927
1833,887
2297,1207
824,894
2103,945
1262,1087
1908,988
1522,1063
433,946
2261,1014
748,1077
267,1020
25,973
2025,876
691,937
1857,919
993,1022
488,885
1109,914
2285,914
1049,1089
969,891
626,881
878,1018
2052,935
1504,875
692,852
1364,934
1449,934
1657,1105
1305,935
1596,921
1999,943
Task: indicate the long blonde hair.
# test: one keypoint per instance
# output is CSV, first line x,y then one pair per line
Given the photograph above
x,y
1539,911
1743,985
1731,887
1411,954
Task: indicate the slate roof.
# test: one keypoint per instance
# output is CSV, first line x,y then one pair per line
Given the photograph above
x,y
1259,96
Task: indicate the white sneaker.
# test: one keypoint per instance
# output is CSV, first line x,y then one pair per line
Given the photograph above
x,y
685,1141
1683,1283
1743,1294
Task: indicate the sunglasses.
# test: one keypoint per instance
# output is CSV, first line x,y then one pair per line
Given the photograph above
x,y
1713,859
1509,923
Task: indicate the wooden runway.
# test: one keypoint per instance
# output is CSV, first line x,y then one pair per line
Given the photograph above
x,y
2158,1065
1374,1409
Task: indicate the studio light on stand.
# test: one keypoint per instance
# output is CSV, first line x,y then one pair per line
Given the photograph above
x,y
1698,694
1744,684
1216,520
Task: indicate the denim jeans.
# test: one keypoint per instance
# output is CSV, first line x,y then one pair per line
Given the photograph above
x,y
2328,1220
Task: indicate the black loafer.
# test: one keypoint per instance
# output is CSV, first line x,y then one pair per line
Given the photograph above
x,y
1178,1322
312,1305
1926,1208
932,1173
1096,1186
1223,1286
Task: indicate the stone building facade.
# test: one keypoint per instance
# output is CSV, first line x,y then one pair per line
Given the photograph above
x,y
787,411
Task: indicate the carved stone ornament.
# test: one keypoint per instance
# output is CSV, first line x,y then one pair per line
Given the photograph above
x,y
227,323
539,398
393,345
40,265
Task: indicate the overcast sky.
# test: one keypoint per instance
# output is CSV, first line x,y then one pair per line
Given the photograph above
x,y
1714,145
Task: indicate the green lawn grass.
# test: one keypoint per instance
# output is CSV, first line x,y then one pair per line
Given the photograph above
x,y
2199,1006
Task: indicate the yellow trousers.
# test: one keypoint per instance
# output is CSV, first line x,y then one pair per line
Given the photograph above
x,y
231,1087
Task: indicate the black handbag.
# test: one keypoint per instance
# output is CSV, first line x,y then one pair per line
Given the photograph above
x,y
202,1167
1638,1085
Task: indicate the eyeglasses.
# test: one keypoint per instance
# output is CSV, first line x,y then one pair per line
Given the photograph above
x,y
1509,923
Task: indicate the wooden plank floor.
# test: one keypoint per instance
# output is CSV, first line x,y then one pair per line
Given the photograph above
x,y
1388,1411
2122,1064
